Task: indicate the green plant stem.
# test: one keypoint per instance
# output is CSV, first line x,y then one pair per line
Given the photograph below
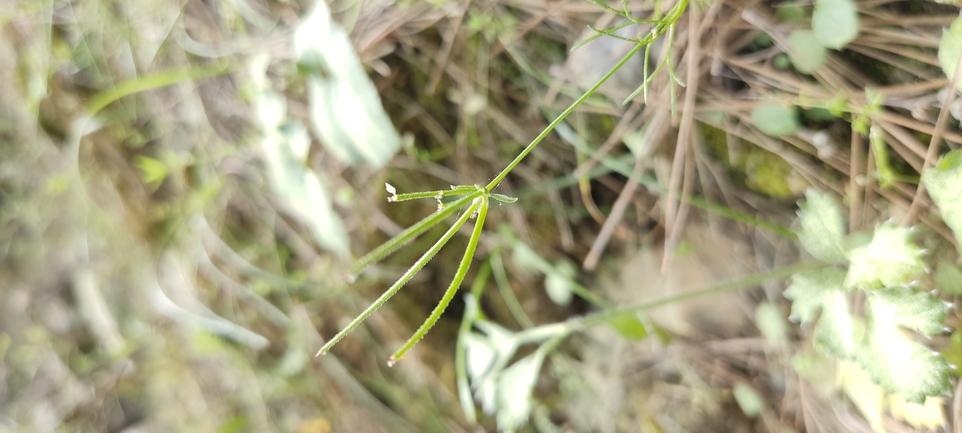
x,y
428,255
501,278
460,363
731,286
534,143
410,233
482,207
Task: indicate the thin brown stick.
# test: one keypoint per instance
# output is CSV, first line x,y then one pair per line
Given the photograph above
x,y
672,206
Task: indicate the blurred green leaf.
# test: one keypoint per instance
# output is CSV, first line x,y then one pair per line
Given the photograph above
x,y
345,108
948,277
807,291
749,400
898,364
154,171
775,119
629,326
891,259
806,53
234,425
835,22
770,322
823,227
944,183
949,47
837,331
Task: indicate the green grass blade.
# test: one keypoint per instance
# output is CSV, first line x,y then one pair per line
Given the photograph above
x,y
149,82
428,255
455,284
409,234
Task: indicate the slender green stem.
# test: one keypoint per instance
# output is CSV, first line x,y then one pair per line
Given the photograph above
x,y
482,206
455,190
410,233
428,255
731,286
657,32
501,278
460,363
534,143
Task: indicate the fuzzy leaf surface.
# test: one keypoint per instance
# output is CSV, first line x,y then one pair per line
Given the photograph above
x,y
837,331
823,227
898,364
944,183
891,259
808,289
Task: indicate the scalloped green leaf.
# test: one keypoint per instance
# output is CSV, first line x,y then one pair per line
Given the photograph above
x,y
775,119
898,364
805,52
891,259
949,47
944,183
808,289
837,331
823,228
835,22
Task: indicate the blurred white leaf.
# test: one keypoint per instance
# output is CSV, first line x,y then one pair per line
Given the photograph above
x,y
345,108
558,288
807,291
514,391
928,415
300,190
481,356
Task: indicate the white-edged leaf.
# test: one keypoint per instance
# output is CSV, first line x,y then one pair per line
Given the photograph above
x,y
514,391
823,227
770,322
806,53
898,364
775,119
944,183
345,108
835,22
949,47
807,291
837,331
891,259
481,356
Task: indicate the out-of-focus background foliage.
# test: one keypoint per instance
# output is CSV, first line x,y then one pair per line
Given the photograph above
x,y
183,184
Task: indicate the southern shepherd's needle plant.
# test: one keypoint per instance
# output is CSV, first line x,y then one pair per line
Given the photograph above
x,y
478,198
881,267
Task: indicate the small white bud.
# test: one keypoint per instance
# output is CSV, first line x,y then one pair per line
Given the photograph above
x,y
391,190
